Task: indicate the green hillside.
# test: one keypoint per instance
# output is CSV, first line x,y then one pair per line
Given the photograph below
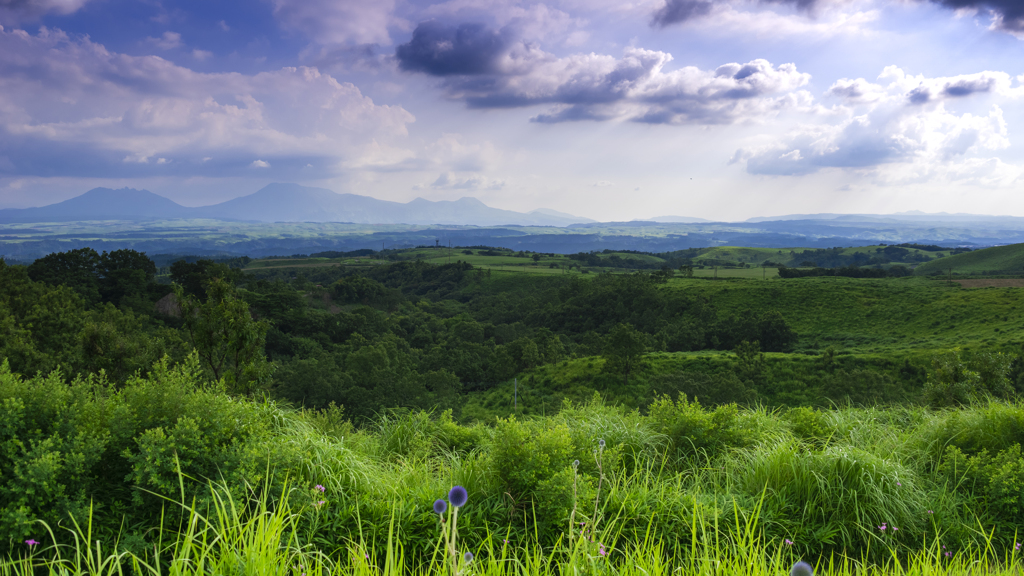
x,y
996,260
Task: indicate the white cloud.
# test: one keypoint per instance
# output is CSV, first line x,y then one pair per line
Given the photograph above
x,y
15,11
168,41
201,55
337,21
767,23
74,97
449,181
259,164
900,132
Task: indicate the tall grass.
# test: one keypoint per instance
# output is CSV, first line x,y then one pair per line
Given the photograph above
x,y
265,537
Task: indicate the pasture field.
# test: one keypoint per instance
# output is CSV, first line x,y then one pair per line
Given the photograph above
x,y
877,314
995,260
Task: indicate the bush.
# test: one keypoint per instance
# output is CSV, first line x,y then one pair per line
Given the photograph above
x,y
992,483
692,431
532,464
67,447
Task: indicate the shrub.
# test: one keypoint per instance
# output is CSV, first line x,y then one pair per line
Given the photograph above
x,y
692,431
993,483
531,463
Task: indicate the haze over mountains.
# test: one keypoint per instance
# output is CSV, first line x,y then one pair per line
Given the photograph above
x,y
296,203
284,203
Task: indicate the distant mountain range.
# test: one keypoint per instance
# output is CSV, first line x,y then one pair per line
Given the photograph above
x,y
285,203
901,217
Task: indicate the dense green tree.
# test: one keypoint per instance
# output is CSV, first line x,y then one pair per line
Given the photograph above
x,y
230,343
76,269
193,277
624,350
124,274
39,323
750,363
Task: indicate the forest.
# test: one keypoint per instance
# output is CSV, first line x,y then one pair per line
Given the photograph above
x,y
838,416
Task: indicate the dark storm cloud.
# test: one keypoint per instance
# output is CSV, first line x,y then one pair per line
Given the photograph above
x,y
1011,12
675,11
441,50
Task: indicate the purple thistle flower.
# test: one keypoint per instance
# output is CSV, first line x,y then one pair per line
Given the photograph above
x,y
30,542
440,506
600,443
468,557
458,496
801,568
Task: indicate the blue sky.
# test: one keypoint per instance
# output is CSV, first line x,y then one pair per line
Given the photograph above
x,y
613,110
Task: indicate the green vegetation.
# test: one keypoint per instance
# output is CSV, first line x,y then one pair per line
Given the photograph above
x,y
988,261
309,413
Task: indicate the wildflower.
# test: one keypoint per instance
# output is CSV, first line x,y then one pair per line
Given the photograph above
x,y
898,484
1016,546
601,550
882,527
468,557
575,464
321,503
931,512
895,529
948,554
458,496
321,488
788,542
600,443
30,542
801,568
440,506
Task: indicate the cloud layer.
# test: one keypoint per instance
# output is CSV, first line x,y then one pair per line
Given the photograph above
x,y
905,122
104,111
486,69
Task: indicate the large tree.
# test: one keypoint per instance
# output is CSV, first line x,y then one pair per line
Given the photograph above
x,y
624,350
229,341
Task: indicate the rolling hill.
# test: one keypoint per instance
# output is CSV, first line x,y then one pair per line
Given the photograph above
x,y
995,260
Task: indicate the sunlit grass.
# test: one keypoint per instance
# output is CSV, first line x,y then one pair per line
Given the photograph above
x,y
256,537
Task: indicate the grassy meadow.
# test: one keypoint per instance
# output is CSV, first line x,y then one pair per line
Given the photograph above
x,y
882,434
592,488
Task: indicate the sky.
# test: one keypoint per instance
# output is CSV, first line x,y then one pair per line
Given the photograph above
x,y
612,110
